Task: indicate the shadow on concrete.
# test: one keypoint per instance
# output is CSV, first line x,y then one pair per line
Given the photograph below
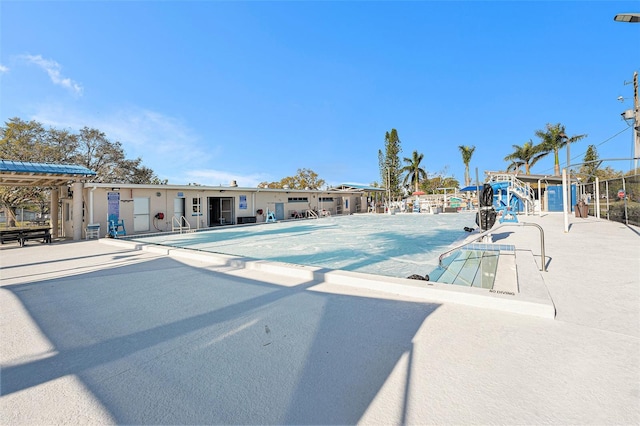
x,y
634,229
53,261
501,236
160,342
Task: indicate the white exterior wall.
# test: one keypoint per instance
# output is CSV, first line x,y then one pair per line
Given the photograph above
x,y
161,200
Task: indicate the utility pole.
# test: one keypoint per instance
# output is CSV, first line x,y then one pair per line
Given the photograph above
x,y
633,115
636,120
633,17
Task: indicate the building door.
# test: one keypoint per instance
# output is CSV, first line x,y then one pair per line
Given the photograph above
x,y
141,216
554,198
226,210
279,211
178,212
221,211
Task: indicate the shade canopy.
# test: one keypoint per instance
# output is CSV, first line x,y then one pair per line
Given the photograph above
x,y
356,187
471,188
23,173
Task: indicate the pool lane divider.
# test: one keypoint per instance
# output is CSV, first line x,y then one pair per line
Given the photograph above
x,y
532,298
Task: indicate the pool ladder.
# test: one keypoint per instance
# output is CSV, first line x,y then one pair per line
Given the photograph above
x,y
177,224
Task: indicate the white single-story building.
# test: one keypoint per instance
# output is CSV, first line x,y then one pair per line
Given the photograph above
x,y
158,208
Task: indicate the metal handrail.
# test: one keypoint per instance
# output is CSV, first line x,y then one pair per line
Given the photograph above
x,y
487,232
176,223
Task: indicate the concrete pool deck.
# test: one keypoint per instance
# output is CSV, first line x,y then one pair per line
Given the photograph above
x,y
97,333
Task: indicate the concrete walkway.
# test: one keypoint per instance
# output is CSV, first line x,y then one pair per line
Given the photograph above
x,y
97,334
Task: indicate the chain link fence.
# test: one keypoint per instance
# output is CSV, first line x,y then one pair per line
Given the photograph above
x,y
619,199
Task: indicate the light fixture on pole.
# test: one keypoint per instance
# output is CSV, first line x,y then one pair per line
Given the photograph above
x,y
633,17
632,116
627,17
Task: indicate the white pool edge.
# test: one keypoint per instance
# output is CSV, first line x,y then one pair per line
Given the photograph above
x,y
532,303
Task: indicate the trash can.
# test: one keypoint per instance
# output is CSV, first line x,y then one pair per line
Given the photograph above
x,y
582,209
585,210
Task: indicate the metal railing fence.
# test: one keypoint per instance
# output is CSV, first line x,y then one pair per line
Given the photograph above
x,y
619,199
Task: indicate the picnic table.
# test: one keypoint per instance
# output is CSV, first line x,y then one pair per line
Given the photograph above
x,y
21,235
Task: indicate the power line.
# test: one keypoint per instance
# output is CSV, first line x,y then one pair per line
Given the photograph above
x,y
607,140
601,143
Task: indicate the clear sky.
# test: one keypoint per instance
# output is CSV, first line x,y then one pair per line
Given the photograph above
x,y
210,91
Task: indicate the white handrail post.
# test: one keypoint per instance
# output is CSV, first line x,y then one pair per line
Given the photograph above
x,y
597,197
565,202
606,182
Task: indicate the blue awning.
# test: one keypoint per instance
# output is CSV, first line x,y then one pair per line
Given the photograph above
x,y
24,173
471,188
27,167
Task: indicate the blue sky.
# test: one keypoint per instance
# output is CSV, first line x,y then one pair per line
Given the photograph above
x,y
208,91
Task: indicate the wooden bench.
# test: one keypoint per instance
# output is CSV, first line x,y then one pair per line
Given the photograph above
x,y
21,235
9,235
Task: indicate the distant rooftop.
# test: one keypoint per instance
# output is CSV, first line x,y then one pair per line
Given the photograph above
x,y
355,187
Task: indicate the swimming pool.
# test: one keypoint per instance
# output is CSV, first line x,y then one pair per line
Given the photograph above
x,y
390,245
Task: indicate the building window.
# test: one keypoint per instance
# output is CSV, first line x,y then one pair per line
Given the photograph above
x,y
196,206
326,199
298,199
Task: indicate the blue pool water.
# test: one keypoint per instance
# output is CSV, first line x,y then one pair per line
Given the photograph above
x,y
391,245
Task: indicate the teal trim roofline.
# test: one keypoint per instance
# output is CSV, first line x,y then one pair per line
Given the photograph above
x,y
10,166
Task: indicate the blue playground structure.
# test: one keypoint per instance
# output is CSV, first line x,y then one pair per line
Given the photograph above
x,y
507,202
512,194
510,197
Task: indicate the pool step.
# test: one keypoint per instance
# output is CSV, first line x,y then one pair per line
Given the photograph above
x,y
474,266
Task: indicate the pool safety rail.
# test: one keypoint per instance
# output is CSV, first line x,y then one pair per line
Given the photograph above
x,y
474,266
485,233
180,224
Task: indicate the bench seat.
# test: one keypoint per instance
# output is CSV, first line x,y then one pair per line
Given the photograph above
x,y
25,234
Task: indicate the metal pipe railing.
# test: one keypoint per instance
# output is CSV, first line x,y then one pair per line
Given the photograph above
x,y
177,223
487,232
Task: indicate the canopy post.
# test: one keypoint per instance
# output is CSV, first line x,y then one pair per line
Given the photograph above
x,y
77,211
53,211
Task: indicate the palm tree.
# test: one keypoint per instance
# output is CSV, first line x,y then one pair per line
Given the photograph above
x,y
555,138
526,155
467,152
414,173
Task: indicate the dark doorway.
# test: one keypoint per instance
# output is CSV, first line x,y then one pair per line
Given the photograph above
x,y
221,211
